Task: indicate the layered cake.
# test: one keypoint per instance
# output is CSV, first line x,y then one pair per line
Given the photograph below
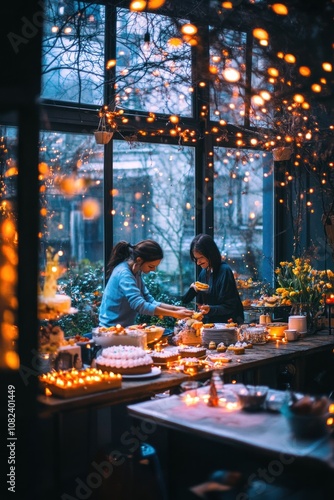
x,y
153,332
59,304
126,360
51,303
164,356
118,335
220,332
192,351
190,332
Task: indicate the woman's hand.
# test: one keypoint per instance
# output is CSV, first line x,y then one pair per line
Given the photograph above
x,y
182,312
204,308
193,285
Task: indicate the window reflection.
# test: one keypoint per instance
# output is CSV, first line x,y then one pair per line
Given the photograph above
x,y
153,71
228,70
71,175
241,187
73,52
153,197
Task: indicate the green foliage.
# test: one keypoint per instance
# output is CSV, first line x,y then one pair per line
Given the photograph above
x,y
158,285
84,284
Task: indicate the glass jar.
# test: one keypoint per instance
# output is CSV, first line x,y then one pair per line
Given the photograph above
x,y
254,334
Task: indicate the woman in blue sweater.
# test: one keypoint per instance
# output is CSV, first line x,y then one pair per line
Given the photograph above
x,y
221,301
125,294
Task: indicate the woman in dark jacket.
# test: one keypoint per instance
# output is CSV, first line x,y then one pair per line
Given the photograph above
x,y
221,301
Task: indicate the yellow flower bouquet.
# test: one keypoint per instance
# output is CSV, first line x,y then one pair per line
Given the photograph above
x,y
303,287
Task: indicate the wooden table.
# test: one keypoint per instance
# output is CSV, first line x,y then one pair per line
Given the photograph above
x,y
74,430
248,440
254,366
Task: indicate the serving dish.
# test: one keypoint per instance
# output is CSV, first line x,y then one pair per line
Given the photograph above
x,y
252,398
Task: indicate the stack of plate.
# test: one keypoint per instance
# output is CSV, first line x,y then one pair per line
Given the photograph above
x,y
219,333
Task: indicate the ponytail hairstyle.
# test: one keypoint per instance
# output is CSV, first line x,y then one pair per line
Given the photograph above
x,y
147,250
204,244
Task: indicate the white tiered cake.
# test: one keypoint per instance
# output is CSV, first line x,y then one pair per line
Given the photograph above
x,y
51,303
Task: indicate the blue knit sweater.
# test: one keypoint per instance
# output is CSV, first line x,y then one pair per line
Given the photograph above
x,y
124,297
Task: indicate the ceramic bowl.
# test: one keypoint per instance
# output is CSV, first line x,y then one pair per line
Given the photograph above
x,y
308,426
252,398
154,333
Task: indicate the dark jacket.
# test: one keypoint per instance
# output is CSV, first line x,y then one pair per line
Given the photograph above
x,y
223,296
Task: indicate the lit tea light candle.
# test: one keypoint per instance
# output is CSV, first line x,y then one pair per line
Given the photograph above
x,y
205,398
232,406
158,347
190,400
330,299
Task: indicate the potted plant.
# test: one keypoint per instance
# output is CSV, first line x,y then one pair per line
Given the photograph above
x,y
102,134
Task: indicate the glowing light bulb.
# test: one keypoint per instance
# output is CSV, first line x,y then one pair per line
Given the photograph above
x,y
189,29
280,9
138,5
290,58
316,87
326,66
260,33
231,75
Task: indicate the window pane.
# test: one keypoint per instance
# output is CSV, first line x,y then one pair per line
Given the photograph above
x,y
243,186
8,249
71,224
152,76
228,68
153,197
71,196
73,52
261,112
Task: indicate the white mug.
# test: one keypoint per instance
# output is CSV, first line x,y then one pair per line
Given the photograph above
x,y
298,323
290,335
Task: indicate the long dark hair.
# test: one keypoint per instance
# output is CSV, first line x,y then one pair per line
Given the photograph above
x,y
148,250
204,244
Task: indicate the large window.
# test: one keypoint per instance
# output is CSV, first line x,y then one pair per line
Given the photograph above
x,y
148,72
243,185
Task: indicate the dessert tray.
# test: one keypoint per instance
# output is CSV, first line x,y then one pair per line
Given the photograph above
x,y
155,372
73,383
